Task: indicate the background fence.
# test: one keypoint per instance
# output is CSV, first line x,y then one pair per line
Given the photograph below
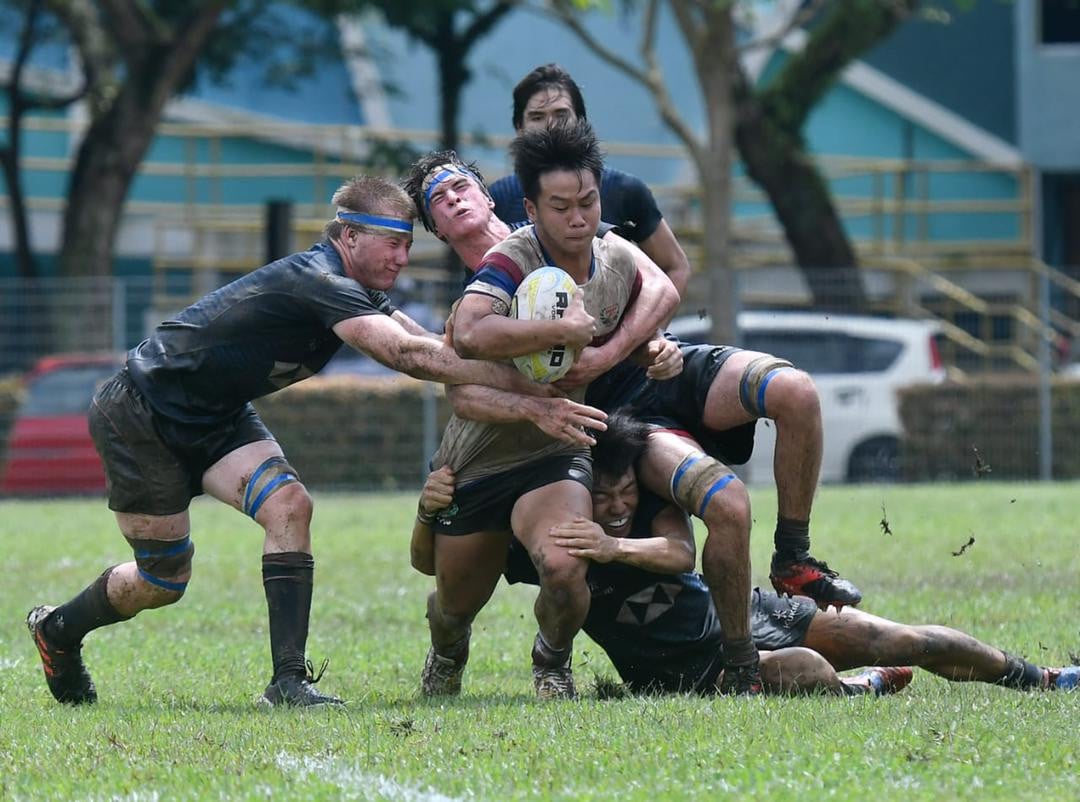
x,y
896,405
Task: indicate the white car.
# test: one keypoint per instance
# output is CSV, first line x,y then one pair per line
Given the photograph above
x,y
858,363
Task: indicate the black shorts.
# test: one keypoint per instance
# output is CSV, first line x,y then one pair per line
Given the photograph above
x,y
679,403
776,622
485,505
155,465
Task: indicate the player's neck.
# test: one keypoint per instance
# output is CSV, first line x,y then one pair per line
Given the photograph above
x,y
576,262
472,247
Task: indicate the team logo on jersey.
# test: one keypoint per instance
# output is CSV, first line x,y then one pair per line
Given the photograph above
x,y
647,605
285,373
609,314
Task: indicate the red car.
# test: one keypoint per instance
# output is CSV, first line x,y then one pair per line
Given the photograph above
x,y
49,451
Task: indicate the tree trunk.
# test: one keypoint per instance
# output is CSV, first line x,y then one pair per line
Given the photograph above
x,y
803,205
25,263
714,66
453,75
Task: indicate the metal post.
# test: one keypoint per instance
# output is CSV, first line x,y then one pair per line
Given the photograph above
x,y
1046,424
119,315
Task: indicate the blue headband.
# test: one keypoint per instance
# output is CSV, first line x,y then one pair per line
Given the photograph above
x,y
359,218
447,171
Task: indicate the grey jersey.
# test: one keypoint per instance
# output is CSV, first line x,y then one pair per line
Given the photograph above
x,y
476,450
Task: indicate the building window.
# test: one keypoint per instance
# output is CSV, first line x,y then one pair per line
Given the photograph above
x,y
1059,22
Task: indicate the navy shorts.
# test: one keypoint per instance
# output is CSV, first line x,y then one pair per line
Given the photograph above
x,y
485,505
154,465
677,403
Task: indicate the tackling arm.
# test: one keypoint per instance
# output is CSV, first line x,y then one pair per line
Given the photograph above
x,y
559,418
384,339
669,551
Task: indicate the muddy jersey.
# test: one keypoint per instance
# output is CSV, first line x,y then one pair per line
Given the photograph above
x,y
477,450
625,203
258,334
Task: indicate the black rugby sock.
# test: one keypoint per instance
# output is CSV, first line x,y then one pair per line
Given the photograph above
x,y
91,609
739,652
287,580
1020,674
791,538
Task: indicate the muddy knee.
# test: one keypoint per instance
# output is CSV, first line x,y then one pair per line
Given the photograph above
x,y
165,565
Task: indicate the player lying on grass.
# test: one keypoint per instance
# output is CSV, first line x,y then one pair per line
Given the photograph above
x,y
715,402
656,621
513,477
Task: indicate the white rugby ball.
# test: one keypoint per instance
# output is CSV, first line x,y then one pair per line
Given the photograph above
x,y
544,294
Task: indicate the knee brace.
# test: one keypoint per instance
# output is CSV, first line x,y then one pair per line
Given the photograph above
x,y
755,378
266,480
696,480
163,562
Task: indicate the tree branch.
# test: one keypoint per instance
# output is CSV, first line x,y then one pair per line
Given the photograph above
x,y
133,25
799,17
851,27
483,23
84,25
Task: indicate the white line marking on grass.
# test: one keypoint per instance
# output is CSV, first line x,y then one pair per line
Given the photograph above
x,y
9,662
357,784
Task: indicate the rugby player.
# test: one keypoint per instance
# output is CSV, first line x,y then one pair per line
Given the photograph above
x,y
656,621
714,402
513,477
176,422
549,95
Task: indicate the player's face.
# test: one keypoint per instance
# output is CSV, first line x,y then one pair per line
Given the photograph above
x,y
458,206
615,501
567,210
375,260
550,106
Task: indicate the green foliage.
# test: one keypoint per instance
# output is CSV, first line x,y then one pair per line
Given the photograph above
x,y
176,718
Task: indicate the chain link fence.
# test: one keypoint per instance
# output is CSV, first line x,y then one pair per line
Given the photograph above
x,y
898,402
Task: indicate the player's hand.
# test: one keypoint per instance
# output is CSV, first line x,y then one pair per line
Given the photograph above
x,y
584,538
438,491
663,358
578,326
569,421
588,365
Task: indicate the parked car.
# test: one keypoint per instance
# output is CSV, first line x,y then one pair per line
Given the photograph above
x,y
49,450
858,363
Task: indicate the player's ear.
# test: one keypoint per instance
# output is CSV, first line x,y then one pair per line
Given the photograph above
x,y
530,210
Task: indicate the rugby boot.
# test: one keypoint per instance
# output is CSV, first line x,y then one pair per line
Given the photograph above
x,y
442,673
1063,679
805,576
294,691
744,680
553,677
66,674
879,680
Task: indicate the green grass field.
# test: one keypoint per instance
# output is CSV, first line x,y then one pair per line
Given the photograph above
x,y
177,720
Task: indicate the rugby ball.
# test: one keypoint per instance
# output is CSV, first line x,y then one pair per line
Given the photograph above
x,y
544,294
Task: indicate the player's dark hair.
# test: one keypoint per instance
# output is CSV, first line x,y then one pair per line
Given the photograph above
x,y
618,448
548,76
369,194
418,173
571,146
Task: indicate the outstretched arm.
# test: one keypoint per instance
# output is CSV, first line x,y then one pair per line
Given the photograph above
x,y
423,357
559,418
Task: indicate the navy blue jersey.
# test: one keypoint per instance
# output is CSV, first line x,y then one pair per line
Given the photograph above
x,y
625,202
660,631
262,332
